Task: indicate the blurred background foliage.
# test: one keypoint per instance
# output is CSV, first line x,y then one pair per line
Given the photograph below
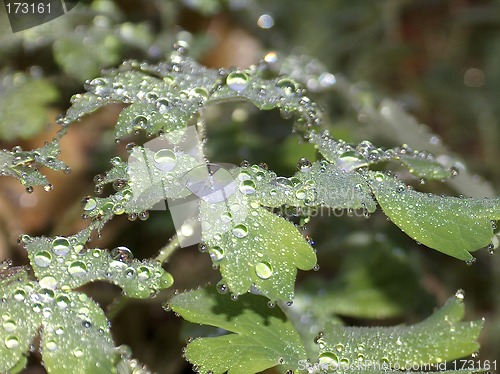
x,y
439,59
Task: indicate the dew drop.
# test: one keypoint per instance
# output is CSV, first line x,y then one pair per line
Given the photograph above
x,y
77,269
222,287
328,359
9,325
51,346
29,189
264,270
62,301
43,259
19,294
216,253
165,159
247,187
304,165
240,231
61,246
460,295
166,280
122,254
237,81
143,272
78,353
287,85
12,342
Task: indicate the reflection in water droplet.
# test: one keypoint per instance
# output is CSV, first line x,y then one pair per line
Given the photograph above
x,y
237,81
12,342
89,203
43,259
51,346
216,253
240,231
62,301
78,353
143,272
264,270
61,246
247,187
165,159
9,325
122,254
77,269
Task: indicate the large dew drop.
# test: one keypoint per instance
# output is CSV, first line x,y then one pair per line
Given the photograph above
x,y
237,81
43,259
247,187
264,270
240,231
77,268
61,246
165,159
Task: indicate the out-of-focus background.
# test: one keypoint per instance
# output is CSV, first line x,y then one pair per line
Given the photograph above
x,y
438,59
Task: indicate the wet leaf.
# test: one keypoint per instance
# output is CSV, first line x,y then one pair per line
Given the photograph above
x,y
255,248
17,92
258,337
67,262
439,338
452,225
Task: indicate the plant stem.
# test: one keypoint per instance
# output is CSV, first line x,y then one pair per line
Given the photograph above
x,y
168,249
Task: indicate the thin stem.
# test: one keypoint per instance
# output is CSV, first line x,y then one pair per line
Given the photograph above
x,y
168,249
116,306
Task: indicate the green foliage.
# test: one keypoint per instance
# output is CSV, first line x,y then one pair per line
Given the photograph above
x,y
255,238
18,91
427,342
455,226
258,337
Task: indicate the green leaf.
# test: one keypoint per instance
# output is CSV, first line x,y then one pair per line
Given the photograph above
x,y
349,157
255,248
75,333
439,338
258,337
24,165
19,321
452,225
318,184
70,264
83,53
76,336
17,92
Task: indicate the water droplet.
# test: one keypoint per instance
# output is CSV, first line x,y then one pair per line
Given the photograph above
x,y
166,280
350,160
51,346
216,253
61,246
12,342
46,295
247,186
271,304
89,203
237,81
300,194
78,353
226,217
264,270
165,159
222,287
77,269
328,359
19,294
240,231
287,85
460,295
9,325
339,347
304,165
143,272
48,282
29,189
122,254
43,259
62,301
